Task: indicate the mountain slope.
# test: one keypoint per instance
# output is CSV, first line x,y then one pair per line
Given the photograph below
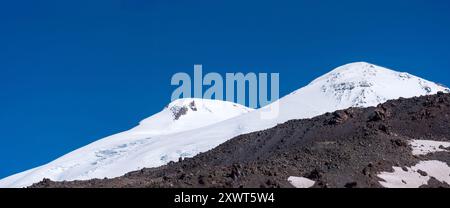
x,y
187,114
93,160
352,85
401,143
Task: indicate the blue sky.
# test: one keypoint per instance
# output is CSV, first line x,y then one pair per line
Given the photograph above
x,y
74,72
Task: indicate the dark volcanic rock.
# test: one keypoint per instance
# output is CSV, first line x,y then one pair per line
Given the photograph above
x,y
351,185
422,173
433,183
350,152
338,117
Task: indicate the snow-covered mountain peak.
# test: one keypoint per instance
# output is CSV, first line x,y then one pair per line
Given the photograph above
x,y
359,67
358,71
182,107
190,113
112,155
362,84
189,126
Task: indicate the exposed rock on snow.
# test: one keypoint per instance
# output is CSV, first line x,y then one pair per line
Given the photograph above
x,y
416,176
421,173
190,126
350,153
423,147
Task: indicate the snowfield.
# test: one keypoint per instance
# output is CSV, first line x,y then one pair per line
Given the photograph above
x,y
118,154
410,177
423,147
190,126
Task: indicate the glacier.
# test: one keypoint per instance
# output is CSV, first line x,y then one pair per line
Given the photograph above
x,y
190,126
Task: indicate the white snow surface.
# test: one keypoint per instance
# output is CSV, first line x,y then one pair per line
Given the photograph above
x,y
123,152
192,113
423,147
412,179
161,139
300,182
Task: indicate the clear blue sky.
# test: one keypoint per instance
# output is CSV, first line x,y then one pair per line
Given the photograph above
x,y
71,73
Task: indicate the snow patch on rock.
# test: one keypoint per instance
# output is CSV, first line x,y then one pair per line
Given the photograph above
x,y
300,182
187,127
423,147
416,176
